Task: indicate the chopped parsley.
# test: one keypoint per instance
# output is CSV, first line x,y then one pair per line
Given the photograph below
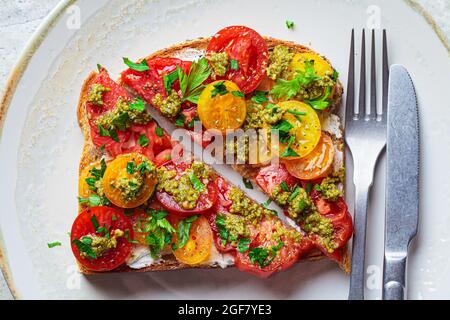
x,y
169,80
238,94
234,64
284,186
191,84
222,229
141,66
183,231
290,24
260,97
138,104
196,183
248,184
219,88
54,244
289,152
243,244
143,140
84,245
159,131
131,167
179,121
267,203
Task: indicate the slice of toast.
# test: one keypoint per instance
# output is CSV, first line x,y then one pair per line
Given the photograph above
x,y
92,154
194,49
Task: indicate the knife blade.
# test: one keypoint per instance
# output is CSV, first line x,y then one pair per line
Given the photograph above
x,y
402,181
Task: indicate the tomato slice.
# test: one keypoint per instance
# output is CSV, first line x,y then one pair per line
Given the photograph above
x,y
337,212
285,256
222,112
271,176
317,164
112,219
198,247
249,49
205,201
148,84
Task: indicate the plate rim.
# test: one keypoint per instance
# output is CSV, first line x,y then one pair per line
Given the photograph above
x,y
33,44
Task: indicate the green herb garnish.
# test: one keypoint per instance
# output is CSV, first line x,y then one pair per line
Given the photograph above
x,y
196,183
243,244
159,131
290,24
169,80
54,244
284,186
143,140
191,84
234,64
141,66
183,231
248,184
238,94
260,97
219,88
138,104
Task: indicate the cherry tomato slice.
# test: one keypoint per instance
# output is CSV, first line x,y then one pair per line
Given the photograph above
x,y
285,257
117,170
249,49
198,247
271,176
317,164
112,219
205,201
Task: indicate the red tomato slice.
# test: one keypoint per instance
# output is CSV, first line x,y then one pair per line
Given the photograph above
x,y
148,84
285,257
205,201
341,219
271,176
113,147
250,50
163,157
83,226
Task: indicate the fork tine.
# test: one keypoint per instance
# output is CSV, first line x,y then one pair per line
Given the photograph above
x,y
385,76
362,78
350,103
373,80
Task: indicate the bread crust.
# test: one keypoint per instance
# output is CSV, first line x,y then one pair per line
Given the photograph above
x,y
91,153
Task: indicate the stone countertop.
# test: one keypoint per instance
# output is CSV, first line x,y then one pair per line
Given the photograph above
x,y
19,19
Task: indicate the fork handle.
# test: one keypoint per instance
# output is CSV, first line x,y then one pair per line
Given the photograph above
x,y
359,243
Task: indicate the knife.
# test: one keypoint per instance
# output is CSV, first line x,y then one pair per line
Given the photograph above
x,y
402,181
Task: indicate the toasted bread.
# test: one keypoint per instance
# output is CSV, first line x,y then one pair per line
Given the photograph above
x,y
188,50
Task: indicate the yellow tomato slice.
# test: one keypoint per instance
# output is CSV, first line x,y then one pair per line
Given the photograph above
x,y
317,164
84,190
305,131
222,111
198,247
321,66
117,170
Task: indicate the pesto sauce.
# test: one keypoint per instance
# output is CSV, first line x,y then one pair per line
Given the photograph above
x,y
101,244
182,189
130,187
122,116
279,60
219,63
95,95
260,116
329,186
170,106
298,204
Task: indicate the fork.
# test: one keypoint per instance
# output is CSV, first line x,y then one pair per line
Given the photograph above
x,y
365,135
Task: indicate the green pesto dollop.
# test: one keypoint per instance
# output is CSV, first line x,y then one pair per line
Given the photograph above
x,y
170,106
323,228
246,207
130,187
101,244
219,63
316,88
237,227
122,116
262,116
95,95
329,186
298,202
279,60
182,190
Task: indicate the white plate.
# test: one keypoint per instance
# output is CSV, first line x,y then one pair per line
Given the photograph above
x,y
41,143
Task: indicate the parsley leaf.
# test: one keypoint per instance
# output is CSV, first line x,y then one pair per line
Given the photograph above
x,y
179,122
84,247
131,167
290,24
289,152
260,97
159,131
248,184
183,231
234,64
169,80
297,113
267,203
238,94
102,131
294,193
143,140
94,222
243,244
138,104
284,186
259,255
308,187
321,103
219,88
221,228
196,183
283,126
191,84
141,66
54,244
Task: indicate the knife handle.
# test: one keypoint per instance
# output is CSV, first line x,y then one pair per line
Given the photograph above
x,y
394,277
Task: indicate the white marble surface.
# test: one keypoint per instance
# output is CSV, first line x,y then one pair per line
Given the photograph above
x,y
20,18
